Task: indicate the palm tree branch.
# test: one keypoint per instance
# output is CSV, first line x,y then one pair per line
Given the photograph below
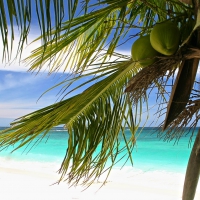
x,y
57,113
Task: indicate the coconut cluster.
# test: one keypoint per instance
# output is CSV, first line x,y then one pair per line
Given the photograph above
x,y
164,39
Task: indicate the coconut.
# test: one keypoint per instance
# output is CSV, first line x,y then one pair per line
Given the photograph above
x,y
165,38
143,52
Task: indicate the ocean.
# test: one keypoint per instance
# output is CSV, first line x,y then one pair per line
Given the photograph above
x,y
150,152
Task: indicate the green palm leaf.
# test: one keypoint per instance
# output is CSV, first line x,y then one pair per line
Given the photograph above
x,y
119,16
88,35
93,118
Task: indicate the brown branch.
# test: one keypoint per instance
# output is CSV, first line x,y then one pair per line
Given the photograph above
x,y
186,1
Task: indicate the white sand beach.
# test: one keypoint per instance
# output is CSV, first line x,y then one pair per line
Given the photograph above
x,y
33,181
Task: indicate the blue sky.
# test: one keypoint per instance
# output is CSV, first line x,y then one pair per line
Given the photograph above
x,y
20,90
20,93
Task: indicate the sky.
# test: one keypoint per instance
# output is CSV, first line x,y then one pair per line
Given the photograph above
x,y
20,91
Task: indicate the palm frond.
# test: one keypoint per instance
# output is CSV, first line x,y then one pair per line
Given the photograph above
x,y
18,17
94,119
93,25
86,38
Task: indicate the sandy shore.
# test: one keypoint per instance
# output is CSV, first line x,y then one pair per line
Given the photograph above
x,y
33,181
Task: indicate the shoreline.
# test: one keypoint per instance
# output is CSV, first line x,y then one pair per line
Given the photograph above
x,y
33,180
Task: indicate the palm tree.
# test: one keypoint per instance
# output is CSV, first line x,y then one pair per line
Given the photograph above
x,y
85,40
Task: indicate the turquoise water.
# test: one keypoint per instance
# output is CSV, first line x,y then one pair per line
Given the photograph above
x,y
149,154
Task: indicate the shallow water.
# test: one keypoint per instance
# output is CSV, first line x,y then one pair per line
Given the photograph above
x,y
149,154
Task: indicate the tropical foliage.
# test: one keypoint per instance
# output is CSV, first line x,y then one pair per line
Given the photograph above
x,y
83,37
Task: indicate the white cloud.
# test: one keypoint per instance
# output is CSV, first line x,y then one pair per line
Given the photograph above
x,y
15,109
15,65
10,81
18,107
